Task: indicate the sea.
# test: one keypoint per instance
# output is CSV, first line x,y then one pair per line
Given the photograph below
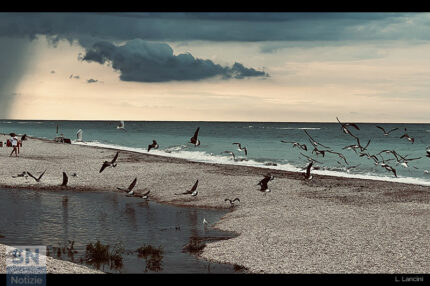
x,y
262,140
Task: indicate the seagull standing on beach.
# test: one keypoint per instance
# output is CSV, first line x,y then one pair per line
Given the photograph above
x,y
121,126
205,222
194,139
37,179
240,148
154,145
129,190
110,164
385,132
428,151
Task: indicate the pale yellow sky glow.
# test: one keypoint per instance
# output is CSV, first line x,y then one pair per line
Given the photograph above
x,y
361,83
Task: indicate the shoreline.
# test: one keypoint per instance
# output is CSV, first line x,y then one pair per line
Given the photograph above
x,y
271,238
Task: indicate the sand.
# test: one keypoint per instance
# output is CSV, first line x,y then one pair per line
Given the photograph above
x,y
326,225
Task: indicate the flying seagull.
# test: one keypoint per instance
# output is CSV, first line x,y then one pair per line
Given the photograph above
x,y
390,169
232,201
310,159
346,130
129,191
23,174
317,152
361,147
194,139
339,154
37,179
385,132
192,191
154,145
231,153
65,180
79,135
296,144
308,175
144,195
410,139
373,157
313,142
240,148
121,126
109,164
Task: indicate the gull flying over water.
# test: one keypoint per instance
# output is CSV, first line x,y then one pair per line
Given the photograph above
x,y
390,169
410,139
231,153
37,179
240,148
129,191
339,154
232,201
154,145
385,132
296,144
109,164
346,130
313,142
194,139
310,159
121,126
317,152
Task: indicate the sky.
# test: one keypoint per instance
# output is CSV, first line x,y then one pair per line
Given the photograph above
x,y
287,67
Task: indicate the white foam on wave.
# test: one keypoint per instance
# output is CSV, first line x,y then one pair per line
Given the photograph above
x,y
200,156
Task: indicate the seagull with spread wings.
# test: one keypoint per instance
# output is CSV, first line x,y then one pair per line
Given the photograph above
x,y
385,132
110,164
37,179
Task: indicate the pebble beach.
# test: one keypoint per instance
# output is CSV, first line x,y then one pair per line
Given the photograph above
x,y
326,225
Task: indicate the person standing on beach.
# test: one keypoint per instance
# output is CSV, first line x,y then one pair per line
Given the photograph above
x,y
14,140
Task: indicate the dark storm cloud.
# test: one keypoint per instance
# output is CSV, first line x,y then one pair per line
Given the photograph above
x,y
142,61
90,27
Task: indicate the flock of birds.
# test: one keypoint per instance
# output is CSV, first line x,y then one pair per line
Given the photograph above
x,y
359,149
318,149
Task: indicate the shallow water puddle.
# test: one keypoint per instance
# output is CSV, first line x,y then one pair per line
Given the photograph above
x,y
109,231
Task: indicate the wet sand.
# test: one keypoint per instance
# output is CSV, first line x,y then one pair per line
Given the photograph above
x,y
326,225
